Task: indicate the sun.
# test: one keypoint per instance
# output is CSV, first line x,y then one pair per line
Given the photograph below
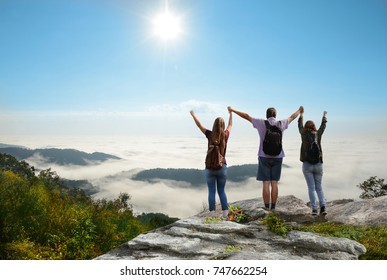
x,y
166,25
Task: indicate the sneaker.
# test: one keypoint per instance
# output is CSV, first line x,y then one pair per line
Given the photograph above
x,y
323,211
314,212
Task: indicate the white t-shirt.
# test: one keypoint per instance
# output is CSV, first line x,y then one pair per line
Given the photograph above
x,y
259,124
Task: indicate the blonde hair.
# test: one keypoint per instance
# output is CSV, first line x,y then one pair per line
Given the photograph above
x,y
218,136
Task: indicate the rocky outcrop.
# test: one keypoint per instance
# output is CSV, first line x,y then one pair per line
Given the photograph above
x,y
193,238
369,212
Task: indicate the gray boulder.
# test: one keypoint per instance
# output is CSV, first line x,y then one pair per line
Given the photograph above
x,y
369,212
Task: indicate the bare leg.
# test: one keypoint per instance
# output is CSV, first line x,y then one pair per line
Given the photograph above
x,y
266,192
274,192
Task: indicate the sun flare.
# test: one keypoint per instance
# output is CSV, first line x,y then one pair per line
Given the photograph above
x,y
167,26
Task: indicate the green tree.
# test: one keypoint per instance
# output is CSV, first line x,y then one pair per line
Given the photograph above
x,y
373,187
41,218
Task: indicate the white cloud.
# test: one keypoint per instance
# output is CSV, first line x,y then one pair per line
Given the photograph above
x,y
186,106
346,164
157,120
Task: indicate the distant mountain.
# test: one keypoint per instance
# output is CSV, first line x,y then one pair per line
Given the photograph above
x,y
195,177
2,145
57,156
192,176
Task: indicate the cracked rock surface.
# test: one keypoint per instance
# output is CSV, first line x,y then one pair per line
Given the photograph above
x,y
192,238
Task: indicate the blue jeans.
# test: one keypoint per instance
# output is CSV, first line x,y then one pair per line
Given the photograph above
x,y
216,180
313,175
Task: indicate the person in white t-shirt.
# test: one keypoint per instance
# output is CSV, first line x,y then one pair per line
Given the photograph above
x,y
269,166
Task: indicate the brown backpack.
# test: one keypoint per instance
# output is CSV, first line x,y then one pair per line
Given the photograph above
x,y
214,158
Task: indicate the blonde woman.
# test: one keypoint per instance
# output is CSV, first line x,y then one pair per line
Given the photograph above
x,y
216,179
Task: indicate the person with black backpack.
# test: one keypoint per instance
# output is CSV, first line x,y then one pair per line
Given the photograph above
x,y
215,162
270,152
312,160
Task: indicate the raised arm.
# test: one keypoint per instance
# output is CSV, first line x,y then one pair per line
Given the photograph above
x,y
301,122
323,124
241,114
197,122
296,114
229,126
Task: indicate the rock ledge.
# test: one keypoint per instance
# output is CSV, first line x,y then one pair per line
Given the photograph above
x,y
192,238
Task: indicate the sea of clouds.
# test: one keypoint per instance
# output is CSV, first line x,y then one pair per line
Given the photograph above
x,y
347,162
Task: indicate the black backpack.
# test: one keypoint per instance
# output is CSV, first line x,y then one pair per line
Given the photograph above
x,y
272,144
312,153
214,158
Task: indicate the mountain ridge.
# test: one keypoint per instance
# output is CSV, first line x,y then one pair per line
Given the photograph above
x,y
56,155
235,173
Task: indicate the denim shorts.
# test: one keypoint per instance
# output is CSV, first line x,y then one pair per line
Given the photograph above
x,y
269,169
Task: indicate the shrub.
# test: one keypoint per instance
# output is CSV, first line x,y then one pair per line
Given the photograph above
x,y
276,224
373,187
232,249
26,250
212,220
237,214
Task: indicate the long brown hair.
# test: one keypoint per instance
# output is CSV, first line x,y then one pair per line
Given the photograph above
x,y
310,126
218,136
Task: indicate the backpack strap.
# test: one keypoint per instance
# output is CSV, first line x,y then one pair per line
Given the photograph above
x,y
312,137
268,125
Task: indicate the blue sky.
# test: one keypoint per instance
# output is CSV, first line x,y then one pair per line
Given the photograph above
x,y
82,65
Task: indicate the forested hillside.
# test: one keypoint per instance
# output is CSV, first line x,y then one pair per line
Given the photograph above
x,y
42,218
